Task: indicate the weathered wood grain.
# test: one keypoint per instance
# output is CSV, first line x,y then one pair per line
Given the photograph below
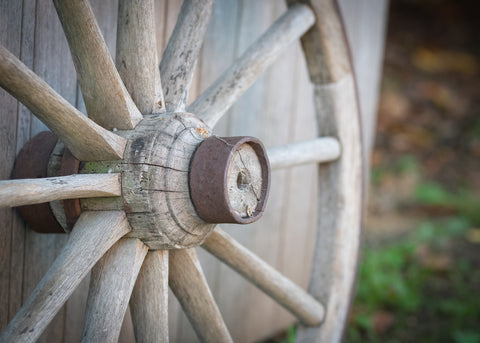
x,y
319,150
273,283
180,56
106,98
10,258
111,284
92,236
84,138
23,128
149,301
340,211
136,58
155,182
191,289
324,45
297,214
340,183
216,100
35,191
244,181
51,61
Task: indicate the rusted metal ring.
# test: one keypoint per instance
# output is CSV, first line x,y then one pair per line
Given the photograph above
x,y
32,162
208,179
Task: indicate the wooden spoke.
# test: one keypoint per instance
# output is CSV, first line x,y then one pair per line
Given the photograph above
x,y
217,99
308,310
181,54
93,234
35,191
137,60
85,139
149,301
191,289
111,284
317,150
106,98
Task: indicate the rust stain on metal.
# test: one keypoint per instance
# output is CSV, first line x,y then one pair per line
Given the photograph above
x,y
207,179
32,162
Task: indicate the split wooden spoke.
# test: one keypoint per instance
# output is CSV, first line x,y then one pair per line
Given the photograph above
x,y
92,236
35,191
308,310
180,56
149,301
111,284
137,60
191,289
319,150
106,98
85,139
225,91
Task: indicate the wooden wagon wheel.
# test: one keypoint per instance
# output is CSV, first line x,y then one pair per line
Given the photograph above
x,y
142,203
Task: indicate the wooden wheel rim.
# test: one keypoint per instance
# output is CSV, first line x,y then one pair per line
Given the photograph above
x,y
329,88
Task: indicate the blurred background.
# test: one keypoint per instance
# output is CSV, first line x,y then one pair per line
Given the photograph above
x,y
419,276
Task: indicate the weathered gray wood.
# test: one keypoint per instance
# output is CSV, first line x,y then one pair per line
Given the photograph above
x,y
276,109
111,284
340,183
149,301
319,150
191,289
92,236
340,207
10,258
35,191
137,60
265,103
236,25
244,181
23,128
84,138
51,61
155,182
180,56
106,98
324,46
216,100
273,283
297,214
366,23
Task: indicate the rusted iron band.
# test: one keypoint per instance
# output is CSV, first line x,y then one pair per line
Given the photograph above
x,y
208,179
32,162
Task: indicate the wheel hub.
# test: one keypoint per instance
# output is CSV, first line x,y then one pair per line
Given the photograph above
x,y
178,181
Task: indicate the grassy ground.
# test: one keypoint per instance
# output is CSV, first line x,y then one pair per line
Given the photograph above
x,y
419,277
424,286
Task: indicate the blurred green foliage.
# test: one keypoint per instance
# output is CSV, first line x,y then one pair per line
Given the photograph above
x,y
425,302
463,202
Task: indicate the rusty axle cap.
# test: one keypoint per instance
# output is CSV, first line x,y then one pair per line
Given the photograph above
x,y
229,179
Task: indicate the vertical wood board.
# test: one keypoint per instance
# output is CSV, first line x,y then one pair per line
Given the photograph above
x,y
278,109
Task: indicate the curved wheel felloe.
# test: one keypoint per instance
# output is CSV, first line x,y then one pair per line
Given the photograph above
x,y
139,226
